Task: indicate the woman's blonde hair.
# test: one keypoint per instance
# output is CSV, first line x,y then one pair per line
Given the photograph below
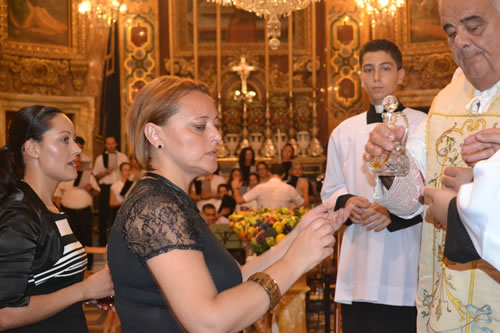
x,y
156,103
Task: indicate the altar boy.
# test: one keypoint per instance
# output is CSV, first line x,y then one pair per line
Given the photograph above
x,y
378,266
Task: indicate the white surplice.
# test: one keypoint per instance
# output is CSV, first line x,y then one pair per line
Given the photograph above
x,y
376,267
478,205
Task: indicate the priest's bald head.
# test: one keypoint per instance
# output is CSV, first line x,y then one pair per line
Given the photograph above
x,y
472,28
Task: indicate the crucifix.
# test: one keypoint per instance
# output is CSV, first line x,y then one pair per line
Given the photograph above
x,y
243,70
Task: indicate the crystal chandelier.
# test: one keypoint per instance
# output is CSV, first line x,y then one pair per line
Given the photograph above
x,y
380,10
101,13
271,10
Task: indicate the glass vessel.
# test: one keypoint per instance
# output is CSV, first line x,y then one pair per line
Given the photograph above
x,y
395,162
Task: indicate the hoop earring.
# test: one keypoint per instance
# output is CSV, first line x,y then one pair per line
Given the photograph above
x,y
160,146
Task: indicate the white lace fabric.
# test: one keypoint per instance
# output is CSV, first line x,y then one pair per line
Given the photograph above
x,y
402,199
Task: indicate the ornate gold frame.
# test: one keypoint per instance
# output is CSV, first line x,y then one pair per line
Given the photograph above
x,y
82,110
402,35
77,38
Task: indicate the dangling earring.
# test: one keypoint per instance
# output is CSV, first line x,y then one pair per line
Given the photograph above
x,y
160,146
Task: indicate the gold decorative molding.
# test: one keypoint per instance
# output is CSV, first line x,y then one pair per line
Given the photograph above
x,y
41,76
181,67
417,98
428,71
80,109
346,33
78,70
139,53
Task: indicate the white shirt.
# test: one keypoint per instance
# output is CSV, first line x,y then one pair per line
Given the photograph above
x,y
115,175
86,161
478,205
76,197
274,193
117,187
375,267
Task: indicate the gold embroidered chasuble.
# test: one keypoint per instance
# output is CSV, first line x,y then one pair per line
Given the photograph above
x,y
454,297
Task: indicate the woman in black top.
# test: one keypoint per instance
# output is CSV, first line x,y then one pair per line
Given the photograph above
x,y
287,157
170,273
41,261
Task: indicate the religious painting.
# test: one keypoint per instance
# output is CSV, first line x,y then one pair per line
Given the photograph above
x,y
424,22
39,21
418,28
51,29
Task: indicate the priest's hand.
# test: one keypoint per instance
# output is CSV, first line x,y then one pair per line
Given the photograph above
x,y
481,145
382,139
438,201
454,177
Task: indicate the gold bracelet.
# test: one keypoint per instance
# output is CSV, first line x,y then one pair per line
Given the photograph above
x,y
269,285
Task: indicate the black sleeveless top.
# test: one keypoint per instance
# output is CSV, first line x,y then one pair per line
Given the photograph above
x,y
158,217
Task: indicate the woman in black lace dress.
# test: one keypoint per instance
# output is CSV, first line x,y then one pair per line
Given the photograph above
x,y
41,261
170,273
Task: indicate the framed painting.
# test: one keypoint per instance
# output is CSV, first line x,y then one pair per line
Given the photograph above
x,y
42,28
418,28
240,30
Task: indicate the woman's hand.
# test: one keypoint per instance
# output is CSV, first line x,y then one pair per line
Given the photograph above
x,y
236,184
98,285
316,240
314,243
313,214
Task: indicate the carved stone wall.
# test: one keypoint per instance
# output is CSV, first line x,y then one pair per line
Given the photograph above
x,y
51,69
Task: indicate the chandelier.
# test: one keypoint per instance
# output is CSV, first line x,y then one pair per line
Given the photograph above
x,y
101,13
380,10
271,10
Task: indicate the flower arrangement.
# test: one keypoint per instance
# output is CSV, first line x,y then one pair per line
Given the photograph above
x,y
263,228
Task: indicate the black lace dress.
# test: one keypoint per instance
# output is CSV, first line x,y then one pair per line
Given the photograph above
x,y
158,217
